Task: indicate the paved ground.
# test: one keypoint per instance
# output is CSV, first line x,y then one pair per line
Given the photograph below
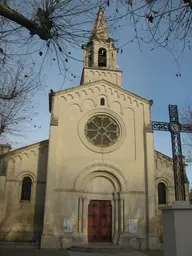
x,y
43,252
154,253
136,253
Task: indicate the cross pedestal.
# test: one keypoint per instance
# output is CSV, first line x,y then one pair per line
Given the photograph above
x,y
177,229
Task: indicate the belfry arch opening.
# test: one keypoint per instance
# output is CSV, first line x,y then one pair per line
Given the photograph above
x,y
102,57
90,58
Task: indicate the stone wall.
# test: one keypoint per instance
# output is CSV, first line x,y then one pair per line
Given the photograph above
x,y
23,220
125,168
164,173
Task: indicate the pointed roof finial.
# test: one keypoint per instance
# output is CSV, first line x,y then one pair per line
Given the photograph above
x,y
100,29
100,9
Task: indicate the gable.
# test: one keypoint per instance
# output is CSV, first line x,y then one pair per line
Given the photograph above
x,y
163,159
164,167
23,150
91,94
105,84
29,158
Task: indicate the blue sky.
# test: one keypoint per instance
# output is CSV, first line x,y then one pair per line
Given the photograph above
x,y
150,74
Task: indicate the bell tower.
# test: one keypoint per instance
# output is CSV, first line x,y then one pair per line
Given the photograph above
x,y
100,55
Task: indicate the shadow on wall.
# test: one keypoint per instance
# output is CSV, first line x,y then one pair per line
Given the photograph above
x,y
40,193
23,220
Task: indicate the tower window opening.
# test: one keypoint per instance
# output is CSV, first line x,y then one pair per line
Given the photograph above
x,y
102,102
90,58
102,57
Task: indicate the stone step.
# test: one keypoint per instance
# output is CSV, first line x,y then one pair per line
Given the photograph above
x,y
101,248
18,244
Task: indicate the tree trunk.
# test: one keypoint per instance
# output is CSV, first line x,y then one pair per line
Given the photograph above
x,y
18,18
7,97
21,20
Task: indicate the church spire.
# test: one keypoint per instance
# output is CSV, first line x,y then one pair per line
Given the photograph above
x,y
100,54
100,29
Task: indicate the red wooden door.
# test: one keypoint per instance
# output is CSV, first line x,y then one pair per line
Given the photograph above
x,y
99,221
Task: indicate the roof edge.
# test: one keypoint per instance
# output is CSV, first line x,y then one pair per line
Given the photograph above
x,y
11,152
164,155
99,81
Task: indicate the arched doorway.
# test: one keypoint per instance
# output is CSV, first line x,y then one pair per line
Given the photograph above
x,y
101,208
99,221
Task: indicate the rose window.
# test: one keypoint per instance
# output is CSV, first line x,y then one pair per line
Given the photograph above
x,y
102,131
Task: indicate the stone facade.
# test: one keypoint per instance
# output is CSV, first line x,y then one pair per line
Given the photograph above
x,y
22,220
68,170
164,174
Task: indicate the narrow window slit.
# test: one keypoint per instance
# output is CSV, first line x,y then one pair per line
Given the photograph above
x,y
102,102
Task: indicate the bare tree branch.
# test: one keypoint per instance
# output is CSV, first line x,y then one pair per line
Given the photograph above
x,y
17,89
47,30
43,31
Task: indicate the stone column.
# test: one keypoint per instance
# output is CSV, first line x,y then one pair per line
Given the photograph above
x,y
80,217
121,239
113,218
122,214
85,203
117,214
116,217
177,229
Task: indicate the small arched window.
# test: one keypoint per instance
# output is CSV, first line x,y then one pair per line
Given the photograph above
x,y
102,57
162,193
26,189
102,102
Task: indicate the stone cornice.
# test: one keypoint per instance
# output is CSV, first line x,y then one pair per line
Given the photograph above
x,y
97,83
32,146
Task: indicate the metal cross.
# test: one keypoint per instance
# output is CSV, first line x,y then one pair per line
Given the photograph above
x,y
178,164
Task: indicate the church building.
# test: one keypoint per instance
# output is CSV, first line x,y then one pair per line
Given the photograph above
x,y
97,179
